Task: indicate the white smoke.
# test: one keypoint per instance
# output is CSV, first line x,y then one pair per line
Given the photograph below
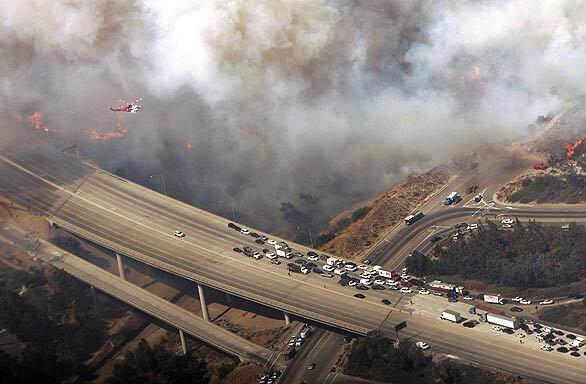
x,y
335,98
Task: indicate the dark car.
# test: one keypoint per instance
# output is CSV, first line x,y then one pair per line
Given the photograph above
x,y
231,225
575,354
254,234
570,336
435,239
311,253
574,349
460,225
301,261
359,296
558,332
237,250
562,350
470,324
361,287
378,287
310,265
516,309
452,299
562,342
508,331
276,262
317,270
259,241
578,297
386,301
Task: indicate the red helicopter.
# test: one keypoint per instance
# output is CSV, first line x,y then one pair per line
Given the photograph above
x,y
130,107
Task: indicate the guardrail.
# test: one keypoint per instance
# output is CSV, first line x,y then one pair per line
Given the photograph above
x,y
210,282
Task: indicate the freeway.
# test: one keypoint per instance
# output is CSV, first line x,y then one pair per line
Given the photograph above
x,y
141,299
139,223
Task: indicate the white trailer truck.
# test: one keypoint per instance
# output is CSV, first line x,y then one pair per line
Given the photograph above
x,y
508,322
452,316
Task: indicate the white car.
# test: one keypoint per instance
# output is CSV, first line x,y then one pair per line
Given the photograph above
x,y
437,293
313,258
507,221
507,225
404,276
423,292
179,234
422,345
365,275
325,274
547,347
472,226
363,266
517,298
524,302
256,255
350,267
379,282
271,255
546,302
304,270
270,241
340,272
365,281
468,298
377,268
328,268
406,290
352,283
245,231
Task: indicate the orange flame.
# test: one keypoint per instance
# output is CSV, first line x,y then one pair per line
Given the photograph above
x,y
190,142
106,136
571,148
35,120
478,82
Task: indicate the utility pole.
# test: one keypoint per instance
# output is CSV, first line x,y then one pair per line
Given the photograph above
x,y
162,181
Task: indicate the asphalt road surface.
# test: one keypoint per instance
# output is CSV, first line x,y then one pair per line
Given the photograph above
x,y
139,223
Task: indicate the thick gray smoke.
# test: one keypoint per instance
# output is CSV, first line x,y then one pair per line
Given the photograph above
x,y
276,98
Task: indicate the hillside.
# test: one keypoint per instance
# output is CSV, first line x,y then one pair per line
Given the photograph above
x,y
353,233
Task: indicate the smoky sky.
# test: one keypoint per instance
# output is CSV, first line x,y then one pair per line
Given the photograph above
x,y
335,99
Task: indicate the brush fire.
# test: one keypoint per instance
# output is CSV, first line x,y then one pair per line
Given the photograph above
x,y
107,136
571,147
35,121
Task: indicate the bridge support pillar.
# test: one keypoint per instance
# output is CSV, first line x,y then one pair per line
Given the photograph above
x,y
183,344
120,266
287,319
202,300
228,299
94,299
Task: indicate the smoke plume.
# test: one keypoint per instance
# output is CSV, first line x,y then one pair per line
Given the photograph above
x,y
248,104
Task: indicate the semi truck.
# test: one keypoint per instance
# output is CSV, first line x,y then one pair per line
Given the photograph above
x,y
437,285
452,198
504,321
452,316
493,299
413,217
294,267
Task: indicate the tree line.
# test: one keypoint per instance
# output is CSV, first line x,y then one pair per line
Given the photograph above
x,y
531,255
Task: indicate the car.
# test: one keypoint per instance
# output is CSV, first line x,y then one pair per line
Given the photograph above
x,y
406,290
313,258
558,332
507,221
578,297
517,298
460,225
575,354
298,254
423,292
237,250
325,274
298,343
255,235
271,255
452,299
271,241
468,298
386,301
367,262
516,309
312,253
566,226
508,331
231,225
546,302
422,345
524,302
245,231
520,335
311,265
472,226
496,328
571,337
359,296
351,267
507,226
328,268
562,350
268,252
276,262
362,267
301,261
561,342
311,366
437,293
575,349
470,324
456,236
256,255
478,198
259,241
179,234
352,283
546,347
378,287
379,282
305,270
